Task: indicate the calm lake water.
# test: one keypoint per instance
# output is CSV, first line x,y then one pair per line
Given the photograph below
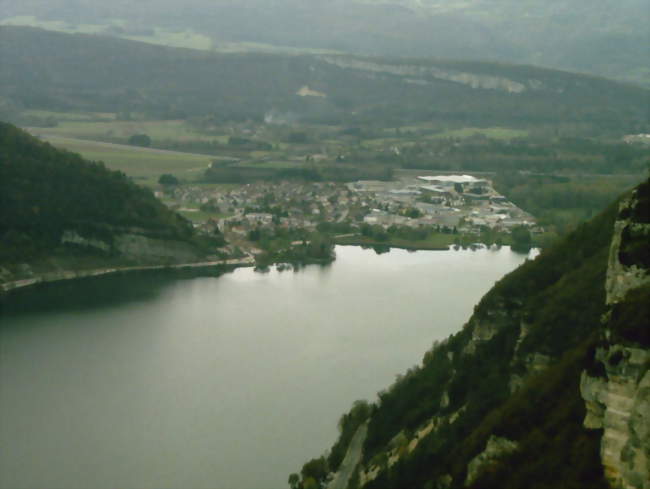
x,y
233,382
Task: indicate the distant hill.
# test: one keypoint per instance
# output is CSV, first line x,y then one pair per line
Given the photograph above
x,y
545,386
55,71
55,205
604,37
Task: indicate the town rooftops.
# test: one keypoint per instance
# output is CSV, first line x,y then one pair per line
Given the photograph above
x,y
451,179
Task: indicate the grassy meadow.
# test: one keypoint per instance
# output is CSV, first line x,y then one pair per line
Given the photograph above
x,y
144,165
85,127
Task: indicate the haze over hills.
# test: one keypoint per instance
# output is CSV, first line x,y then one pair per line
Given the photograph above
x,y
604,37
55,71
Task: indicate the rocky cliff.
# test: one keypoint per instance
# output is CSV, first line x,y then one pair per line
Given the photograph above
x,y
547,385
421,74
617,393
93,257
138,245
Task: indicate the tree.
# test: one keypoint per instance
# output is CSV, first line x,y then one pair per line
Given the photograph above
x,y
315,469
294,481
310,483
140,140
254,234
297,137
168,179
413,212
521,239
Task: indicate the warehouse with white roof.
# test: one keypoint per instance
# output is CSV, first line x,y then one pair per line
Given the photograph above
x,y
452,179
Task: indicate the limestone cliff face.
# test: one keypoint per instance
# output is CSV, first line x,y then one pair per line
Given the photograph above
x,y
137,245
623,273
618,399
72,237
420,75
495,449
143,247
127,248
619,404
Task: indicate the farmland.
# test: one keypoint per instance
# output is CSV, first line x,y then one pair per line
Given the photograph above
x,y
145,165
207,151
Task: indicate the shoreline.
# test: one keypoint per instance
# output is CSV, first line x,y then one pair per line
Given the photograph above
x,y
249,261
389,244
60,276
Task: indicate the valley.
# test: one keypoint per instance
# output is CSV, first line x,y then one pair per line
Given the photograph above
x,y
217,235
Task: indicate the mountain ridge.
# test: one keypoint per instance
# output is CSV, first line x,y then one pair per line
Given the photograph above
x,y
560,34
54,71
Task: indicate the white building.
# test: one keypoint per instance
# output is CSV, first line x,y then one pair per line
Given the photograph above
x,y
451,180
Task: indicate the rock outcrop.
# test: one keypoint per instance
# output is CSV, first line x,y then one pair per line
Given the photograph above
x,y
143,247
617,394
495,450
423,74
136,245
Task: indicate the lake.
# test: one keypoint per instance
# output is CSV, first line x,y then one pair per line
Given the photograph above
x,y
230,382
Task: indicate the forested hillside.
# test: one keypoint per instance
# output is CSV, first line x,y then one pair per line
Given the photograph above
x,y
49,197
504,402
605,37
54,71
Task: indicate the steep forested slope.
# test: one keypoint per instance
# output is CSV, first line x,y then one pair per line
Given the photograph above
x,y
52,200
504,402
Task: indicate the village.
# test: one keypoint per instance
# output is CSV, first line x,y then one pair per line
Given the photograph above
x,y
412,211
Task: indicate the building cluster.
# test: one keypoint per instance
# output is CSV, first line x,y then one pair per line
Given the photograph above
x,y
445,202
286,204
463,202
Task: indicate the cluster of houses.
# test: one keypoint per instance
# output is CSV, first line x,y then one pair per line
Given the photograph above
x,y
285,204
460,202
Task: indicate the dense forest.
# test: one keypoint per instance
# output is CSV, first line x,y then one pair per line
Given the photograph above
x,y
45,191
54,71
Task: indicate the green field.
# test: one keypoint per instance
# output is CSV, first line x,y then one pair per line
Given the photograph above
x,y
142,164
503,133
74,126
410,134
273,164
199,216
70,116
